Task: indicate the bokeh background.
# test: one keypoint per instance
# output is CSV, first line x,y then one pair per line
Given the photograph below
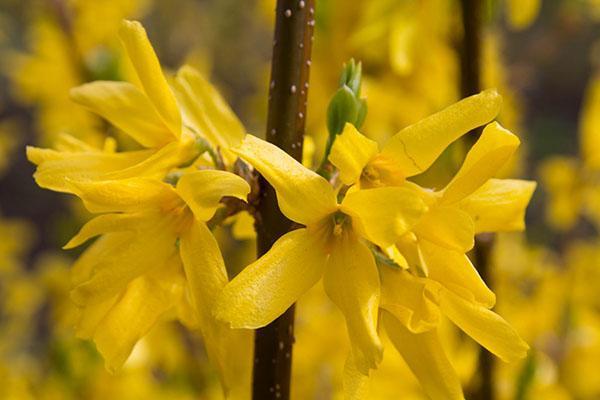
x,y
543,56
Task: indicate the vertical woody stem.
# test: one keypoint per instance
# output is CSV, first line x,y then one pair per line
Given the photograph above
x,y
472,14
290,66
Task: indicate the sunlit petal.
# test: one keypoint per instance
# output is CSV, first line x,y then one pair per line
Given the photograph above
x,y
126,107
351,152
147,67
485,326
351,281
455,271
426,358
412,300
417,146
303,196
495,146
271,284
203,190
499,205
383,215
448,227
230,351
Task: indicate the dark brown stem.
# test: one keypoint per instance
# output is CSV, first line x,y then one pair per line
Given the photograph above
x,y
290,67
470,52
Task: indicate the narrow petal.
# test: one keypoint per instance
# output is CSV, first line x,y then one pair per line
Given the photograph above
x,y
351,152
158,164
426,358
230,351
120,263
126,107
493,149
203,190
383,215
206,110
126,195
147,67
455,271
90,316
57,169
356,384
485,326
417,146
132,317
351,281
303,196
271,284
412,300
104,224
499,205
449,227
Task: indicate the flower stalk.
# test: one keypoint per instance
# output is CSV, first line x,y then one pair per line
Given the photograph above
x,y
290,66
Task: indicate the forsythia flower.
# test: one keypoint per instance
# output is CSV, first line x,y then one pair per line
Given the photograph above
x,y
438,275
426,232
330,246
155,258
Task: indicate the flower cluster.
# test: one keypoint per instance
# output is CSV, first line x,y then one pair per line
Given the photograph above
x,y
155,258
392,254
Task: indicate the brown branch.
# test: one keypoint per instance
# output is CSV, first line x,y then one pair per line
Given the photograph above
x,y
290,67
470,57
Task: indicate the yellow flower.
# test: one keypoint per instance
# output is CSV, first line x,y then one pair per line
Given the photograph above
x,y
330,246
154,248
439,277
156,258
149,113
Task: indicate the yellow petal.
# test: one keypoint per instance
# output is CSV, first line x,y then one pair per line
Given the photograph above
x,y
449,227
125,195
131,318
356,384
426,358
303,196
499,205
83,267
127,108
135,254
147,67
91,315
206,111
230,351
383,215
485,326
351,281
417,146
57,169
203,190
104,224
271,284
455,271
412,300
493,149
350,153
161,162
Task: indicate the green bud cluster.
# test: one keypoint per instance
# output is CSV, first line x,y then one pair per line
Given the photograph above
x,y
346,104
